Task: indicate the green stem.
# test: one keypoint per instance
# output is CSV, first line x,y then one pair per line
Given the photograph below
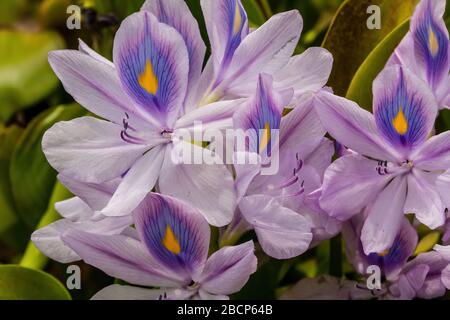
x,y
32,257
265,8
336,256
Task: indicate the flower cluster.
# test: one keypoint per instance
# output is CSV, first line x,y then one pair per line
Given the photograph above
x,y
144,218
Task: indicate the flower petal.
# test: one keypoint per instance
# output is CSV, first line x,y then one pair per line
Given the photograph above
x,y
349,184
352,126
424,200
301,130
96,195
74,209
83,47
175,234
282,232
122,257
194,183
227,25
89,149
404,108
95,85
392,261
431,40
434,154
228,269
261,117
307,72
152,62
122,292
266,49
176,14
48,241
384,218
217,115
138,181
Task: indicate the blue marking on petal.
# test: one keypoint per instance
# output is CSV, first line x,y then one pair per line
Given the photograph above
x,y
170,236
401,117
147,69
238,28
262,118
431,44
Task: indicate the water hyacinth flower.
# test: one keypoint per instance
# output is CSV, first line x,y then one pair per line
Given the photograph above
x,y
395,168
79,213
275,205
424,276
239,55
425,49
142,96
168,251
391,261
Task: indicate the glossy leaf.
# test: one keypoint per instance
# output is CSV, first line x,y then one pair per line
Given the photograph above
x,y
360,89
350,40
12,232
25,75
32,177
19,283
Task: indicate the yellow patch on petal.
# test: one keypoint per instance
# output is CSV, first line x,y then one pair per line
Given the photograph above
x,y
148,80
265,138
433,42
383,253
237,19
400,123
170,241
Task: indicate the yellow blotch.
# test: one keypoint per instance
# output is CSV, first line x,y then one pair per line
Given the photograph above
x,y
170,241
148,80
433,42
265,138
383,253
237,19
400,123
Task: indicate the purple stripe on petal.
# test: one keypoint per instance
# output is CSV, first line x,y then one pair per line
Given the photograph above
x,y
431,40
227,25
152,61
261,117
176,14
174,233
404,108
391,261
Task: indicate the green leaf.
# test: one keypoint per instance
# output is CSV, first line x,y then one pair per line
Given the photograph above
x,y
255,12
32,178
25,75
350,41
427,243
10,10
360,89
19,283
12,231
32,257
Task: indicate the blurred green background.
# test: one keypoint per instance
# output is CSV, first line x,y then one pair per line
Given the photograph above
x,y
32,99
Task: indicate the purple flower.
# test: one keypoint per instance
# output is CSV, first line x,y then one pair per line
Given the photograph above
x,y
425,49
238,56
396,168
391,261
425,276
169,251
276,205
144,97
79,213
